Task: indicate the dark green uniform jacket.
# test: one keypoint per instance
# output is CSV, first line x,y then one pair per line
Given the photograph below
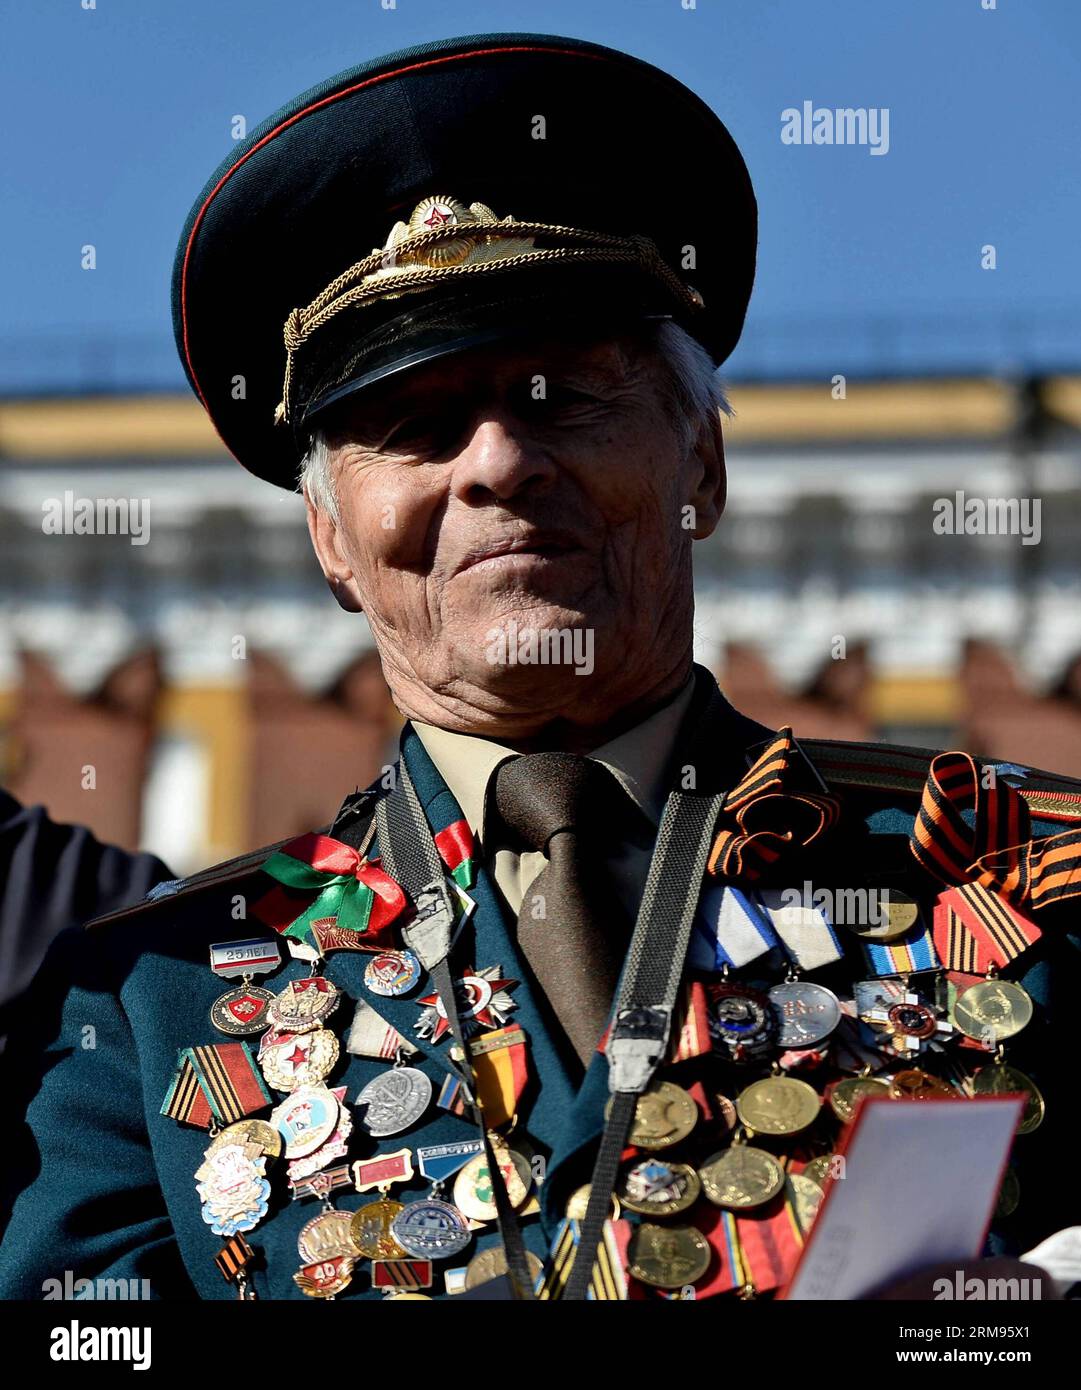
x,y
104,1181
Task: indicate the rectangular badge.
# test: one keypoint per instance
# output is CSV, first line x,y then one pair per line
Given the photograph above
x,y
401,1274
255,956
388,1168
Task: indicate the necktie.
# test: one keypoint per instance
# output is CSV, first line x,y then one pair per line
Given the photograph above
x,y
571,930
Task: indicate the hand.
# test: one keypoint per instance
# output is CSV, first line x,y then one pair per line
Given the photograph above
x,y
1015,1281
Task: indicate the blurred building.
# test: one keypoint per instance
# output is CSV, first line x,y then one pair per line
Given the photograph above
x,y
201,693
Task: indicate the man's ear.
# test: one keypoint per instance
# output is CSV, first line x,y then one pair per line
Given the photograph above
x,y
326,536
710,491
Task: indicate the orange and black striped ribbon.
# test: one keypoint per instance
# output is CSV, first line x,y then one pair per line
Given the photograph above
x,y
219,1079
997,850
769,820
233,1258
230,1080
185,1100
401,1274
975,928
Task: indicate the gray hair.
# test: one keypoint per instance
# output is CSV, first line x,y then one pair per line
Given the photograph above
x,y
696,394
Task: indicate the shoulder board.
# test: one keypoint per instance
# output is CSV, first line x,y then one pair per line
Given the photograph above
x,y
350,824
896,768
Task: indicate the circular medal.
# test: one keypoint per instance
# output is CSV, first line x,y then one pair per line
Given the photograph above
x,y
806,1013
1003,1081
667,1257
394,1101
912,1020
663,1115
300,1059
844,1096
894,913
242,1011
778,1105
250,1132
1009,1196
325,1236
741,1023
657,1188
805,1195
430,1229
578,1201
473,1195
304,1004
490,1264
915,1084
392,973
992,1010
369,1230
306,1119
741,1176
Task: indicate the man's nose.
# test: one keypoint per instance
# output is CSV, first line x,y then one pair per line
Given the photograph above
x,y
499,459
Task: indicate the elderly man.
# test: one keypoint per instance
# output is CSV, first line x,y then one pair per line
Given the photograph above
x,y
471,299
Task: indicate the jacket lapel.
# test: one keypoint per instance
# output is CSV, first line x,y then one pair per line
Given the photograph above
x,y
487,939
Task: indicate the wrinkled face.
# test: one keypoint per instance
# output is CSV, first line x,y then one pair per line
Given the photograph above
x,y
497,493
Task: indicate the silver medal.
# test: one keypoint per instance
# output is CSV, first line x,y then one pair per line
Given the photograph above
x,y
431,1229
806,1013
394,1101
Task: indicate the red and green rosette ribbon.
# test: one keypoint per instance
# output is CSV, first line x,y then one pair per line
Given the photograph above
x,y
455,846
355,891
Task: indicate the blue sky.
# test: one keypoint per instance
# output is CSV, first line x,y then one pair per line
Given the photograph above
x,y
113,117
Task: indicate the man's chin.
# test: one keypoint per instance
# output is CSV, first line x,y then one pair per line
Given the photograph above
x,y
543,645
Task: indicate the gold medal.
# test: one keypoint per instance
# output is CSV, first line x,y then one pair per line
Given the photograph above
x,y
846,1095
658,1188
369,1230
663,1115
741,1176
490,1264
897,913
473,1194
992,1010
325,1236
250,1132
667,1257
778,1105
579,1200
915,1084
805,1195
999,1080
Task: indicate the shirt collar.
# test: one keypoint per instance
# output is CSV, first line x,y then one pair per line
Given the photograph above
x,y
639,758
